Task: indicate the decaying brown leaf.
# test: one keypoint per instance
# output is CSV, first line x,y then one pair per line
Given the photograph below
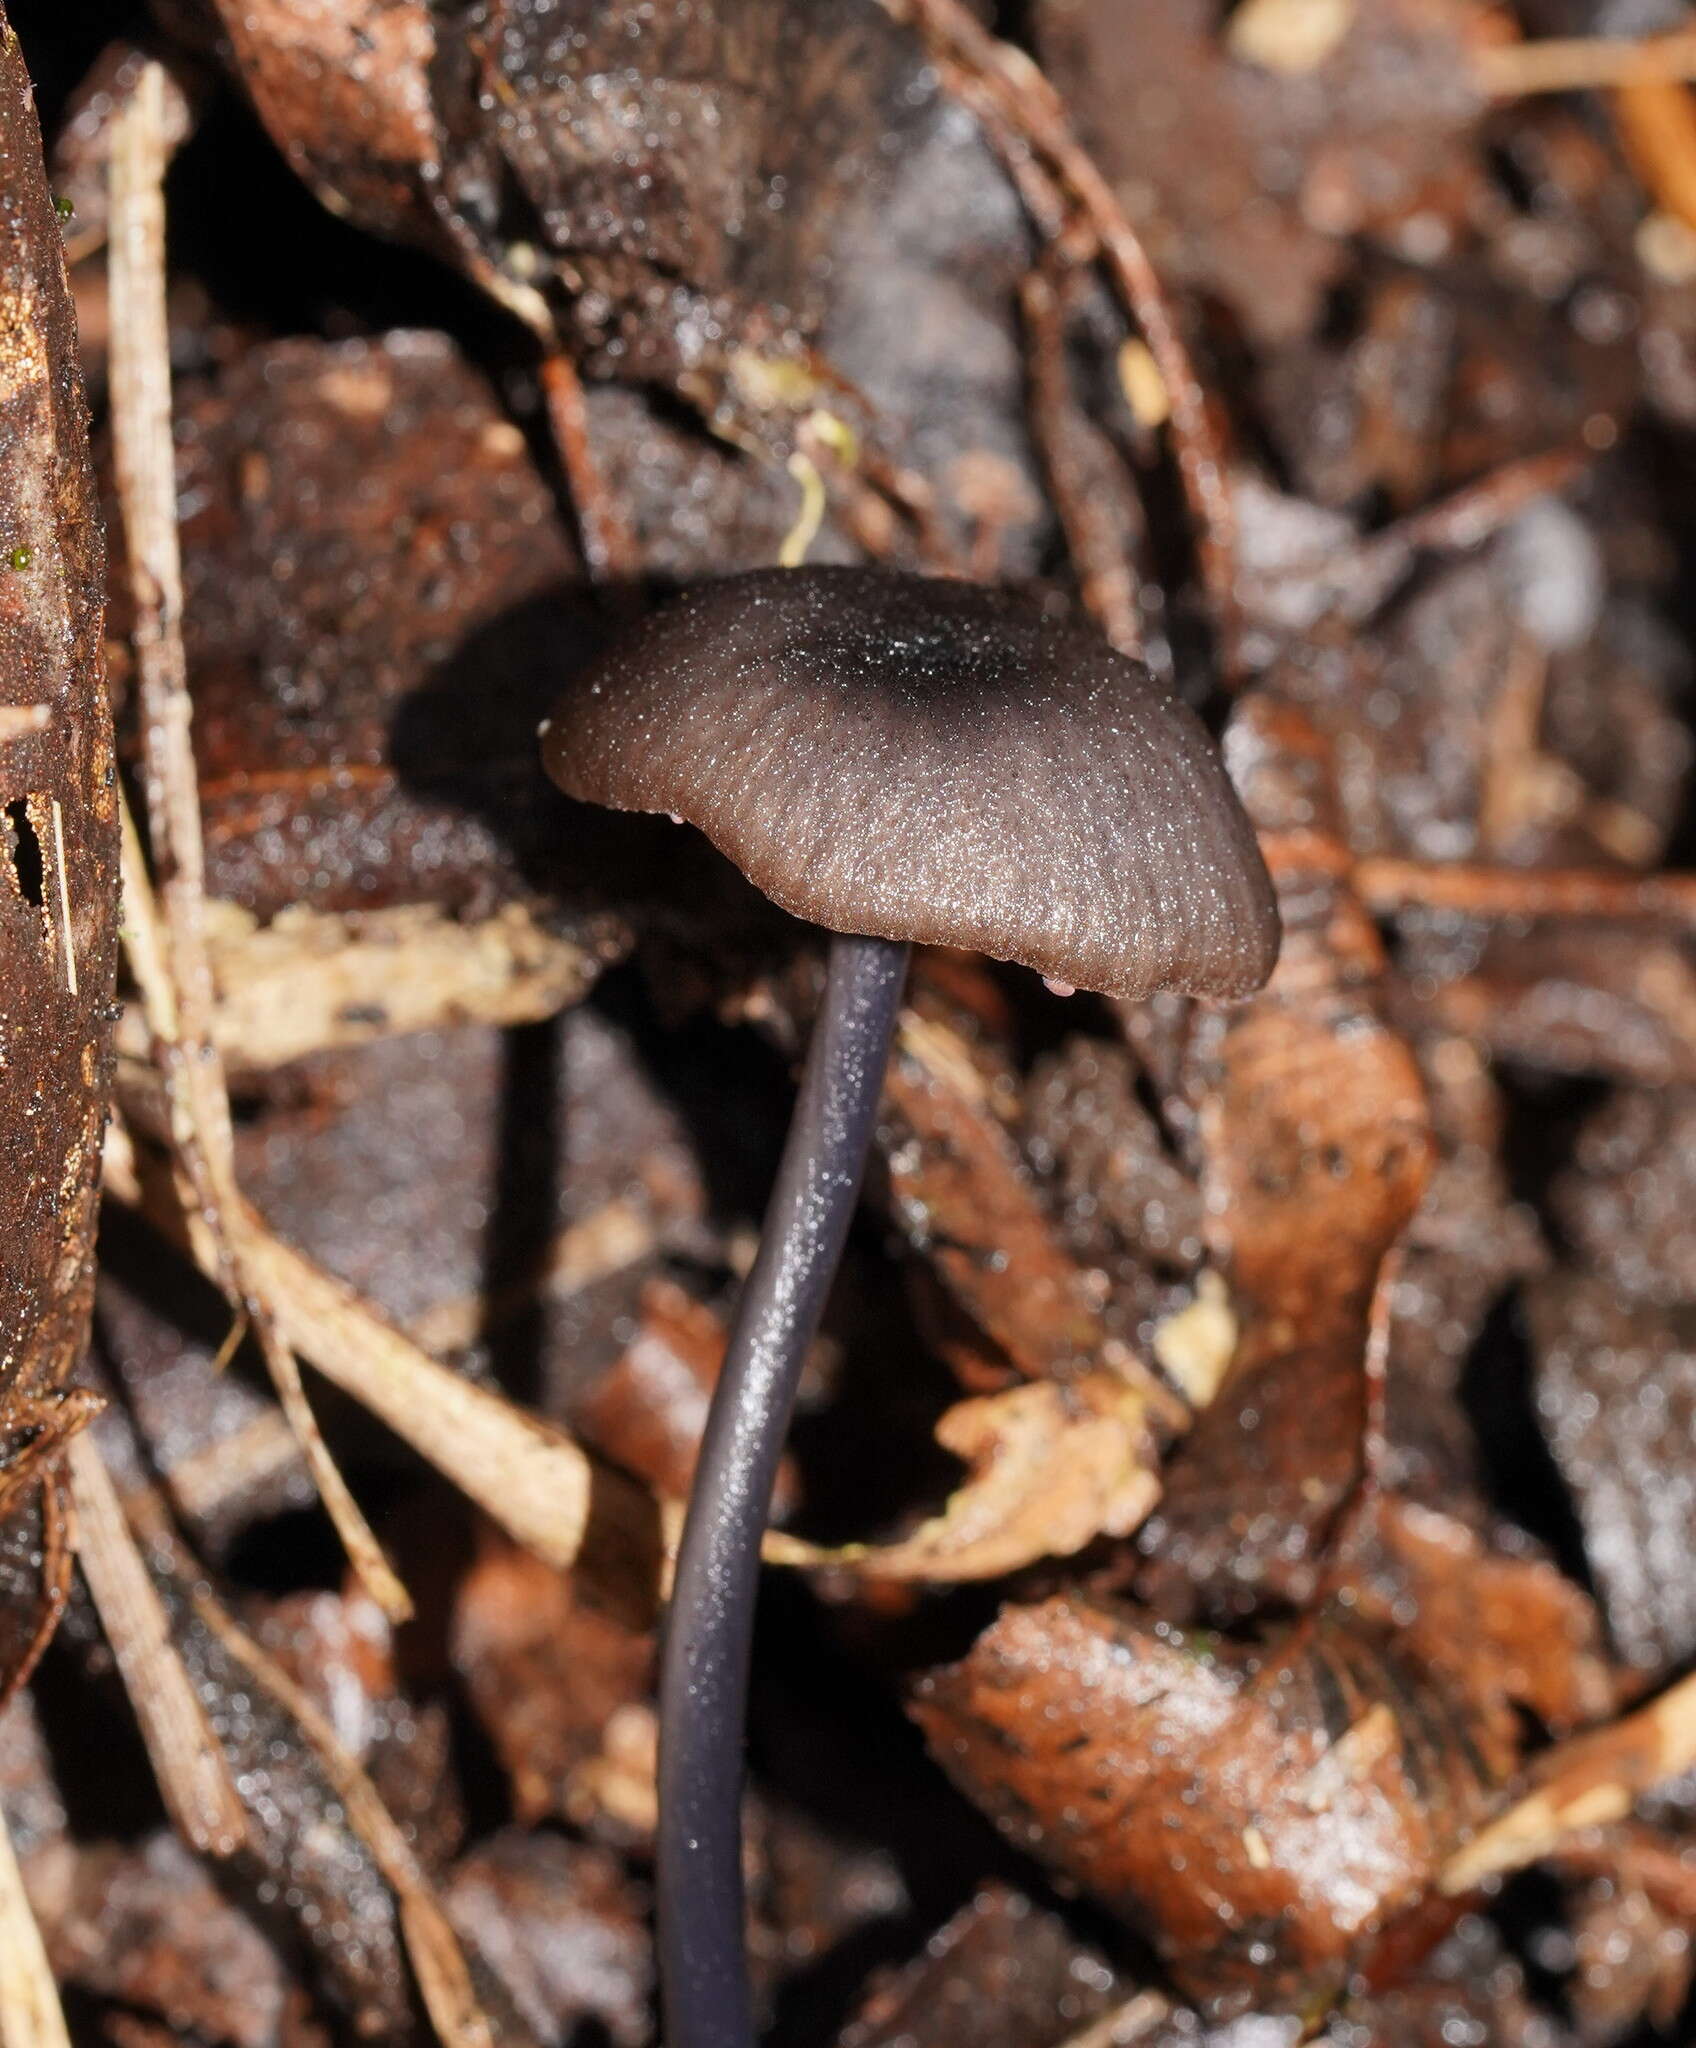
x,y
1002,1973
563,1928
410,119
1505,1631
1053,1467
445,1979
1242,197
646,1412
547,1672
1469,1243
1616,1400
1632,1954
361,850
190,1955
960,1191
1264,1813
1585,1783
1471,1986
1626,1202
1317,1146
1569,998
383,1165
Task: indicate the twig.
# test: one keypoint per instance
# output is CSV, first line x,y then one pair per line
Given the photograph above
x,y
1586,1783
145,948
609,546
1355,580
1099,562
1357,1515
1126,2024
187,1761
177,960
1386,886
1007,91
1512,755
1466,518
527,1475
444,1977
887,481
1584,63
1107,579
30,2013
531,1477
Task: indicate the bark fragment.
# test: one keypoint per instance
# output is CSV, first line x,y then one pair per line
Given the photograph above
x,y
58,871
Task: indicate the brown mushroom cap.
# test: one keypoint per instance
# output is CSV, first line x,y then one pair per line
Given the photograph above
x,y
932,761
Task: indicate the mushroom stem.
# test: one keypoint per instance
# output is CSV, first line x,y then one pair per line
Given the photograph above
x,y
710,1626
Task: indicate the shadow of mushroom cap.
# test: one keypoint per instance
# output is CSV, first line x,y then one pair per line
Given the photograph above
x,y
933,761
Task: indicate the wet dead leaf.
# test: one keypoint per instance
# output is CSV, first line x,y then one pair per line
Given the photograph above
x,y
1317,1145
1505,1630
563,1928
646,1412
188,1954
344,89
1626,1201
547,1673
1053,1467
364,726
1632,1958
1586,1783
1264,1814
640,255
1001,1973
967,1202
1616,1401
1566,998
1245,197
352,1825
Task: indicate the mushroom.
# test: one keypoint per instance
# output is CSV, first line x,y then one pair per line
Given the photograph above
x,y
900,761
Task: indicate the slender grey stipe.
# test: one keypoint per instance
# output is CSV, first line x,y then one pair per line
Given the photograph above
x,y
710,1624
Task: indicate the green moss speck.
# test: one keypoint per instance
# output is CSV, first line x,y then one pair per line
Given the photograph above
x,y
20,558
